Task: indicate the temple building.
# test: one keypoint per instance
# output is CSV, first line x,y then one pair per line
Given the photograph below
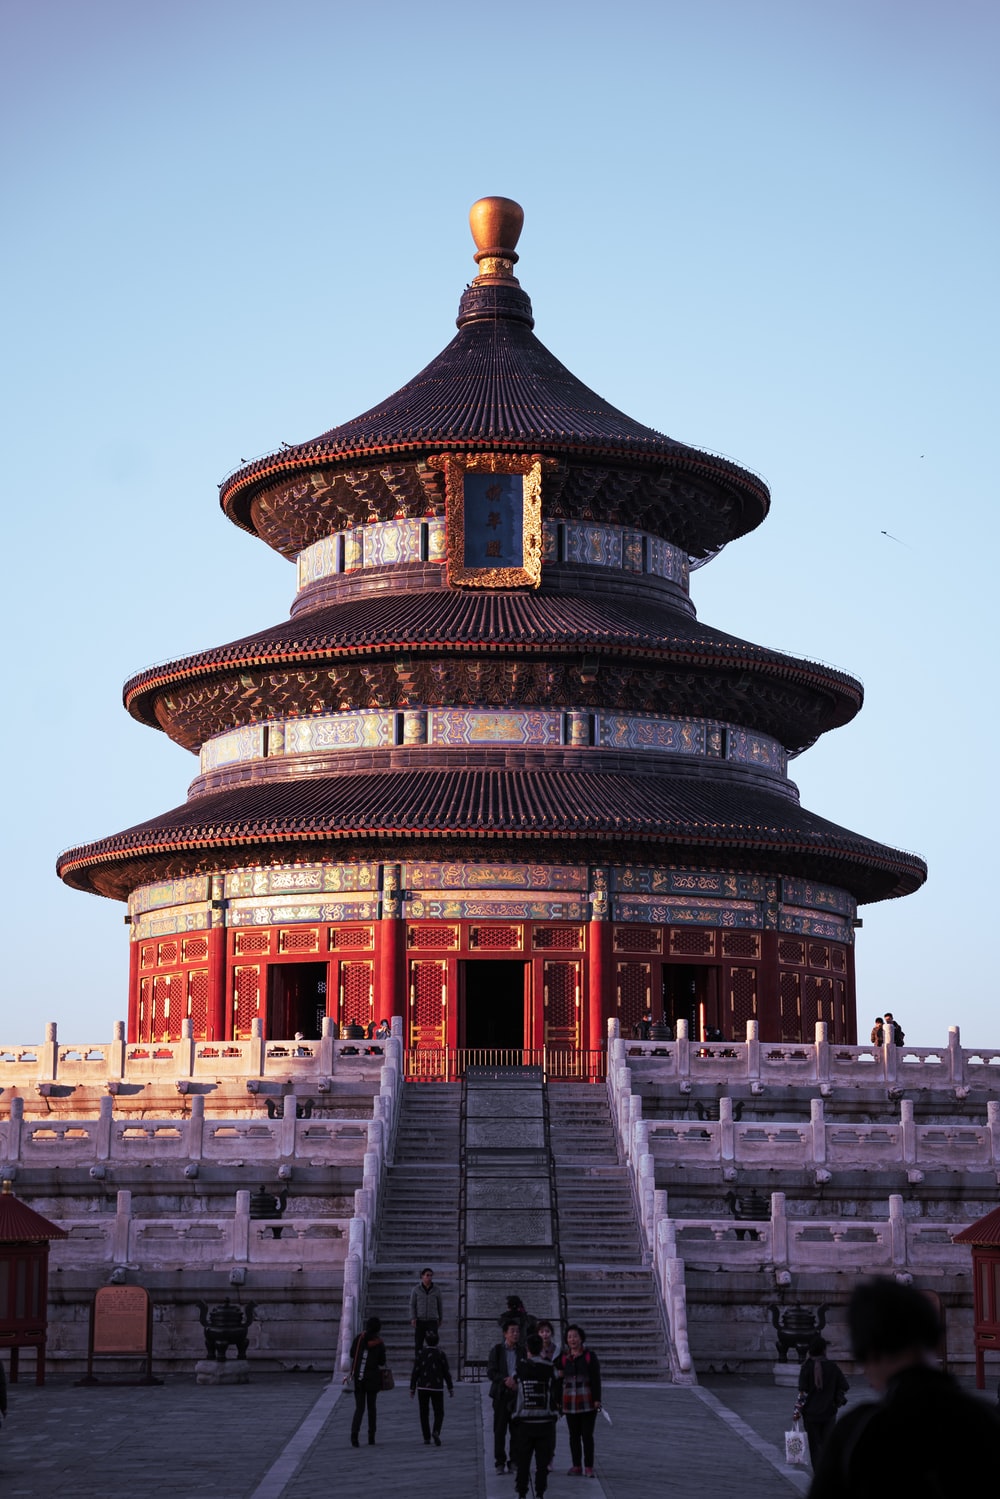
x,y
492,774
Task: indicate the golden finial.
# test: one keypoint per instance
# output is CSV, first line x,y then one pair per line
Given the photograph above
x,y
496,226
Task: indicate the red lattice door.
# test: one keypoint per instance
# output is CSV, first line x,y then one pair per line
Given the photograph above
x,y
790,1005
166,987
633,994
356,997
145,1010
561,1004
246,999
817,1004
197,1005
742,1000
428,996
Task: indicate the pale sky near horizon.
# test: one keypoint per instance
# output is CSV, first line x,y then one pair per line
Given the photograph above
x,y
766,228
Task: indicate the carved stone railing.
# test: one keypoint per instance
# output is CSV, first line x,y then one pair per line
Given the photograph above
x,y
823,1064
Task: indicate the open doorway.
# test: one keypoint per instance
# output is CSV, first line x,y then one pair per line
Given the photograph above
x,y
493,1005
296,1000
691,993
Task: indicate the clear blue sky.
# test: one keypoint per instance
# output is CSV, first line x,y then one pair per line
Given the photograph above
x,y
768,229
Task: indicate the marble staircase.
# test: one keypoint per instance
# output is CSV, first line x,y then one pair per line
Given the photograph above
x,y
419,1220
608,1282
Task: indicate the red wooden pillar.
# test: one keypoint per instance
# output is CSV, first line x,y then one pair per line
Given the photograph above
x,y
598,982
132,1028
215,1024
388,989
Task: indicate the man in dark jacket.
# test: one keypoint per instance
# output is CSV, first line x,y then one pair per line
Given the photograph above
x,y
533,1422
501,1371
925,1438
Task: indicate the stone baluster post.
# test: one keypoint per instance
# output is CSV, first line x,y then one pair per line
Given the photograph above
x,y
908,1131
241,1228
822,1052
288,1126
357,1231
116,1051
634,1118
103,1132
255,1048
196,1128
727,1129
817,1125
646,1183
956,1056
122,1232
326,1046
889,1051
48,1054
15,1130
350,1319
682,1046
897,1231
779,1232
185,1049
992,1126
753,1051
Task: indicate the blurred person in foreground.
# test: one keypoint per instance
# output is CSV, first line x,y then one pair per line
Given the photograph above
x,y
925,1438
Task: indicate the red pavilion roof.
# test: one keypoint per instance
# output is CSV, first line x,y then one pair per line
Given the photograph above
x,y
21,1224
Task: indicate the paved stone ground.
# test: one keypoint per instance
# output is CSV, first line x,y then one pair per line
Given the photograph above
x,y
287,1437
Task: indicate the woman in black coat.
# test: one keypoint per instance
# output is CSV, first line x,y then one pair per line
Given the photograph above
x,y
367,1363
822,1391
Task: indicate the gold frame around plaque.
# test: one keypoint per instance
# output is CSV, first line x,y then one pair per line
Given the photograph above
x,y
455,469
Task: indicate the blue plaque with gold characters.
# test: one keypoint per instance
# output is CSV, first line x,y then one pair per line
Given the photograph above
x,y
493,520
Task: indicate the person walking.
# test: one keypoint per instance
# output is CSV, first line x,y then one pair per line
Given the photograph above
x,y
517,1311
428,1381
533,1421
822,1391
580,1373
925,1437
501,1371
367,1363
550,1349
426,1308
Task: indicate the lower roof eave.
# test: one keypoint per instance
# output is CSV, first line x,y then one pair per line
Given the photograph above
x,y
81,868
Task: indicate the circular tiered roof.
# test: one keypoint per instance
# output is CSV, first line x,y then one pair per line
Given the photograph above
x,y
497,388
611,639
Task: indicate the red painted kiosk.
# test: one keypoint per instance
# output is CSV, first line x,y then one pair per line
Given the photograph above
x,y
24,1280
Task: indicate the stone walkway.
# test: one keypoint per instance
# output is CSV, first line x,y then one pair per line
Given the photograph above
x,y
287,1438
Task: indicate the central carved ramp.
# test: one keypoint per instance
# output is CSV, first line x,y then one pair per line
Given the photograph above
x,y
508,1209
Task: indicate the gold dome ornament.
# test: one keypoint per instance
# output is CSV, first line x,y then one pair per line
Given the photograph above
x,y
496,225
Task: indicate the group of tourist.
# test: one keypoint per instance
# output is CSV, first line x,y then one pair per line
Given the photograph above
x,y
923,1437
532,1382
887,1030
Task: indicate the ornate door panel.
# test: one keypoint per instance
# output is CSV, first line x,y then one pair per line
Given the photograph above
x,y
428,988
633,994
246,999
356,992
561,986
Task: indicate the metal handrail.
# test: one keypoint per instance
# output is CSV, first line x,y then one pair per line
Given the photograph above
x,y
448,1064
